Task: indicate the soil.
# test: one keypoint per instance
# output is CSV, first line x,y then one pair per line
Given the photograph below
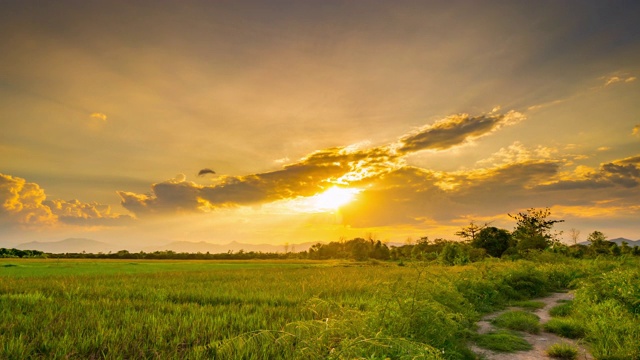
x,y
540,342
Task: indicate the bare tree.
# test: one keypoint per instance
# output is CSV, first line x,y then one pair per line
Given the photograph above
x,y
470,232
575,234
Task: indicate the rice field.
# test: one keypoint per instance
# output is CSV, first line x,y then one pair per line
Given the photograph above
x,y
109,309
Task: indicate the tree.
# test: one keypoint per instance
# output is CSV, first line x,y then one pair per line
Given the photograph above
x,y
533,230
470,232
599,243
495,241
575,234
454,254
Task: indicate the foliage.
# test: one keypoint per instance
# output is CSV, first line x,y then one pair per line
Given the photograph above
x,y
495,241
533,230
563,351
518,320
599,243
525,283
15,253
357,249
608,307
469,233
455,254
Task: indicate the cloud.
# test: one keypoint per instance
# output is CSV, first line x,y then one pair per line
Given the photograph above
x,y
616,79
456,130
517,153
22,202
352,165
594,211
636,130
309,176
26,204
623,172
417,196
100,116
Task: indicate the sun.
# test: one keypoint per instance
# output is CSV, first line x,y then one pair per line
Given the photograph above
x,y
334,198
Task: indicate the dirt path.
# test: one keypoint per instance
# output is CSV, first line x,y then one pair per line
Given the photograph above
x,y
540,342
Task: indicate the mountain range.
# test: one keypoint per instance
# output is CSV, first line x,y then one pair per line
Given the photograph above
x,y
618,241
79,245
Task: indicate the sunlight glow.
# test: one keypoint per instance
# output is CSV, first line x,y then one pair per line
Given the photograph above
x,y
333,198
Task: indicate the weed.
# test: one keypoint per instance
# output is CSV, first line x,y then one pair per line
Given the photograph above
x,y
503,341
563,351
568,328
528,304
518,320
563,309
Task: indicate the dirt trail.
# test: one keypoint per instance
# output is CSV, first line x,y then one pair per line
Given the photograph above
x,y
540,342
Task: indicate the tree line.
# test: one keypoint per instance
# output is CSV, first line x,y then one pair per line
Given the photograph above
x,y
533,232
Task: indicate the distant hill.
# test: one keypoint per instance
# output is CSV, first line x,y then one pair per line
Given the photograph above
x,y
78,245
71,245
618,241
203,247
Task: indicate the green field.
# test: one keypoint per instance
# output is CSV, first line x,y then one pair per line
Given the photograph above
x,y
109,309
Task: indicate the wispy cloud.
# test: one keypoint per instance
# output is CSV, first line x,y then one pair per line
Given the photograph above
x,y
517,153
100,116
616,79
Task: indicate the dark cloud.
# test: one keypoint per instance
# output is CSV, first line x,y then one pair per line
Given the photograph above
x,y
456,130
624,175
407,195
624,172
306,178
411,195
629,160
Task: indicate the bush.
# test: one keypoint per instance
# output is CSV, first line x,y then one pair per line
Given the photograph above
x,y
525,283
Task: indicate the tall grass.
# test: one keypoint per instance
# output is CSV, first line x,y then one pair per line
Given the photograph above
x,y
258,310
608,306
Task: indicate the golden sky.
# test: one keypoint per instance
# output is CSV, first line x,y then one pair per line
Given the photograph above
x,y
321,119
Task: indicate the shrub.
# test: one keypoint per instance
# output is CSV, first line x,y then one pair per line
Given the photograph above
x,y
525,283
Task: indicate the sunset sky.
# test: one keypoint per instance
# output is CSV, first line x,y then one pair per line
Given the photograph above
x,y
321,119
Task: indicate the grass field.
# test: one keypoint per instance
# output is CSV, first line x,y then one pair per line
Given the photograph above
x,y
107,309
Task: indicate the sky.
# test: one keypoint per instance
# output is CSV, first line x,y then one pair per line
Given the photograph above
x,y
321,119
